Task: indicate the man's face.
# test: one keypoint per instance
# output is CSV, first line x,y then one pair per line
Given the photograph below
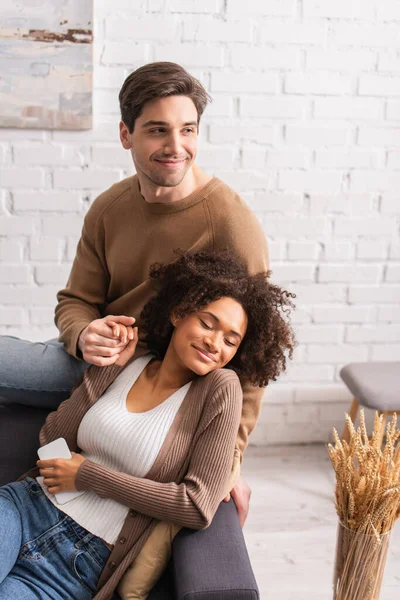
x,y
163,144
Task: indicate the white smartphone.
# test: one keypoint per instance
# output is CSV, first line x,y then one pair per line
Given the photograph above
x,y
58,449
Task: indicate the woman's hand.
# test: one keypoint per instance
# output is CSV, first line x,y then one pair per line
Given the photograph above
x,y
120,331
60,473
125,334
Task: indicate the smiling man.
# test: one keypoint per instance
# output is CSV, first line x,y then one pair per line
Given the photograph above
x,y
163,146
167,163
169,204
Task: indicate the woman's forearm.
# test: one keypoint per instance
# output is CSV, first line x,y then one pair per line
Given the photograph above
x,y
163,501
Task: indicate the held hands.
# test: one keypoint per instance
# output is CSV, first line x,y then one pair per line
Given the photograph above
x,y
103,341
119,331
241,496
60,473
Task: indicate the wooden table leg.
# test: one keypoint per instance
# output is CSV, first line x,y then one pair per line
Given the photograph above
x,y
353,415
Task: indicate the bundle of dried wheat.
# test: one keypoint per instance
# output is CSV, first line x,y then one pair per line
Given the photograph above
x,y
367,503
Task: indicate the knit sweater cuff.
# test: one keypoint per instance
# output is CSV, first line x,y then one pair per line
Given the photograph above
x,y
84,476
70,338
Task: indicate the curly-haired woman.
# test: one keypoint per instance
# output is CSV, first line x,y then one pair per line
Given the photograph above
x,y
152,437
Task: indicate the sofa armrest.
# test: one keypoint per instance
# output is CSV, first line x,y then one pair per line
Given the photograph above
x,y
214,563
19,439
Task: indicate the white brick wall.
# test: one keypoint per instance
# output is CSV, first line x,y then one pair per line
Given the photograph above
x,y
304,123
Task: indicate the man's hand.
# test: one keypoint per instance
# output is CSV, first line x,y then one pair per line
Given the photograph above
x,y
98,343
60,473
241,496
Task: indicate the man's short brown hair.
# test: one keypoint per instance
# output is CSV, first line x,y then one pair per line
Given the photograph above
x,y
158,80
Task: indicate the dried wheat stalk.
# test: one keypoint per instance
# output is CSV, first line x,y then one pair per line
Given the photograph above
x,y
367,499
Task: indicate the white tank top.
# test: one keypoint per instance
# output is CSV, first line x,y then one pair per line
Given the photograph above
x,y
128,442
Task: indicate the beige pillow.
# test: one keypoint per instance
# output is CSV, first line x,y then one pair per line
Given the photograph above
x,y
148,566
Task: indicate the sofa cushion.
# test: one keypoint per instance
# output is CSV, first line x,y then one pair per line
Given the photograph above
x,y
19,439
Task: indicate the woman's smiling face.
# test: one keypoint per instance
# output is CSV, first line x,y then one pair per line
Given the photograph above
x,y
209,338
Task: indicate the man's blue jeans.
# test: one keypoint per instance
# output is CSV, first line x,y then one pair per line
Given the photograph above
x,y
37,374
44,554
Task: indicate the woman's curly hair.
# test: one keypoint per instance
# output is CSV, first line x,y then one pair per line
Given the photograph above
x,y
194,281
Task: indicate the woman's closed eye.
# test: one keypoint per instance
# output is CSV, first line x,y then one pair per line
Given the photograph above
x,y
209,327
228,343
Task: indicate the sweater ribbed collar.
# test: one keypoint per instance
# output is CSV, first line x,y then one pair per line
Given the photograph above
x,y
163,208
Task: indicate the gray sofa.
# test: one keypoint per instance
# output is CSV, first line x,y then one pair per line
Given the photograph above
x,y
212,564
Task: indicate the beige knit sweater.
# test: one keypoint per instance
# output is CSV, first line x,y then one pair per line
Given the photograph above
x,y
123,235
186,482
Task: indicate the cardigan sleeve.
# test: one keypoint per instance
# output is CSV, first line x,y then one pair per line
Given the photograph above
x,y
193,502
65,421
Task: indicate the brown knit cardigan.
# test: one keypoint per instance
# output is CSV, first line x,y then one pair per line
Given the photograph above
x,y
186,482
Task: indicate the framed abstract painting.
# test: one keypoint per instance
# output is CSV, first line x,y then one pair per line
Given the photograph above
x,y
46,64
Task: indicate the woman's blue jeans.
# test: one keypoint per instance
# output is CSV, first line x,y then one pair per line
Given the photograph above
x,y
44,554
